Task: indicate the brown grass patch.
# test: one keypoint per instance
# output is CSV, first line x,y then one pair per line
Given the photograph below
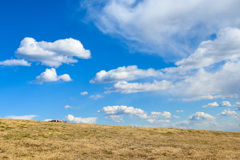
x,y
20,139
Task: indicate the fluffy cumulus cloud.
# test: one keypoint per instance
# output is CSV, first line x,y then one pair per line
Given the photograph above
x,y
162,24
199,120
15,62
116,113
215,104
226,104
201,116
72,119
228,112
159,118
50,75
211,105
52,54
126,88
123,74
25,117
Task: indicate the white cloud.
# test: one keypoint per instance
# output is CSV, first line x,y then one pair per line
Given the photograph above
x,y
123,110
123,74
206,72
203,75
211,105
52,54
67,107
158,121
212,83
71,118
15,62
116,118
226,104
65,77
26,117
224,48
163,24
126,88
175,116
156,115
84,93
181,111
237,106
228,112
199,120
97,96
210,97
201,116
50,75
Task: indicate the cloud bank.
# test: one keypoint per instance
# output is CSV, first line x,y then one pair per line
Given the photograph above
x,y
202,75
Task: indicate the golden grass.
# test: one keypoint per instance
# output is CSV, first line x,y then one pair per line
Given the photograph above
x,y
21,139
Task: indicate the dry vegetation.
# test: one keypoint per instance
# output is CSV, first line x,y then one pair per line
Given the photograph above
x,y
20,139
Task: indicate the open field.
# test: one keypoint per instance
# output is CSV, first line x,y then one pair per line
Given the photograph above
x,y
21,139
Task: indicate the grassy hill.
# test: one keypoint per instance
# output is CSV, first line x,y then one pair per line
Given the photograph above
x,y
21,139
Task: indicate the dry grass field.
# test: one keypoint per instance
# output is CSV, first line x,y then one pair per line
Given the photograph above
x,y
21,139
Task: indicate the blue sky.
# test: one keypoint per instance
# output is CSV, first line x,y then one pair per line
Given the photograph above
x,y
122,62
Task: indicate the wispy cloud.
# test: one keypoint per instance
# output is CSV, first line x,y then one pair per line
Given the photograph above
x,y
26,117
84,93
68,107
157,25
15,62
97,96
